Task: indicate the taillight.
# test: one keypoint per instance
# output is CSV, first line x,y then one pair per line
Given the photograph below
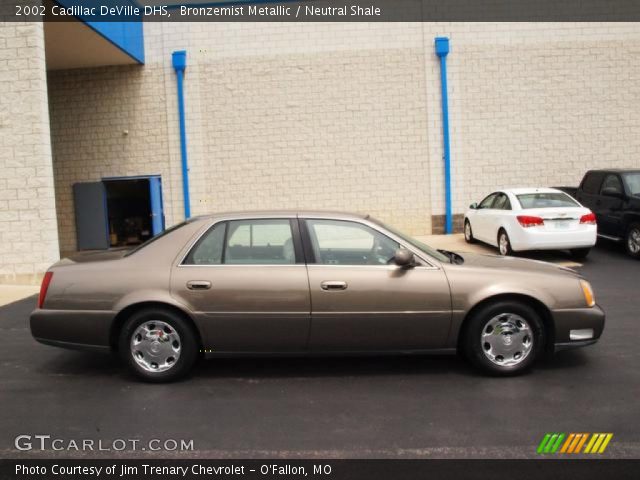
x,y
589,219
44,287
527,221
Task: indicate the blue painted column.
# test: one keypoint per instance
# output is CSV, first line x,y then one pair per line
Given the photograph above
x,y
179,59
442,50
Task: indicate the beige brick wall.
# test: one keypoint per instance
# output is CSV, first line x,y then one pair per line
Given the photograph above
x,y
28,231
536,104
106,122
347,116
278,116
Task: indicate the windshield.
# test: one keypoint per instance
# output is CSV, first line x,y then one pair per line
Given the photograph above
x,y
160,235
546,200
415,243
632,181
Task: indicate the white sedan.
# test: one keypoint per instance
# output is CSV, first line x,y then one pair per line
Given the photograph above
x,y
531,219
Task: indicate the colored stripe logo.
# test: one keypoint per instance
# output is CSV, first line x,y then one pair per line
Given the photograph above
x,y
574,443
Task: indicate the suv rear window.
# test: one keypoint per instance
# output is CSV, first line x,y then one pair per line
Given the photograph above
x,y
591,183
546,200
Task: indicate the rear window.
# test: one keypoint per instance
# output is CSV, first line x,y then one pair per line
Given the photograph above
x,y
546,200
159,236
591,183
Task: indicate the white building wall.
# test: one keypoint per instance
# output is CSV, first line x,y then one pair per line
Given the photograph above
x,y
347,116
536,104
28,230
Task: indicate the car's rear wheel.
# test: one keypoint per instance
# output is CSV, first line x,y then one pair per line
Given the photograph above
x,y
632,240
158,345
468,232
504,338
579,253
504,244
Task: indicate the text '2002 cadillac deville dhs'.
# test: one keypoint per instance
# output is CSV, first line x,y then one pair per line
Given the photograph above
x,y
309,283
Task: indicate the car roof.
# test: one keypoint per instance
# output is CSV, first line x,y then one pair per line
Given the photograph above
x,y
616,170
525,190
243,214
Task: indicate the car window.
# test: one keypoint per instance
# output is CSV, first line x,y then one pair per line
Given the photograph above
x,y
502,202
413,242
159,236
632,181
546,200
338,242
208,250
611,182
591,183
262,242
488,201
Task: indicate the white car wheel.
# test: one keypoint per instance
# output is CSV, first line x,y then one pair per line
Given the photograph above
x,y
504,244
468,232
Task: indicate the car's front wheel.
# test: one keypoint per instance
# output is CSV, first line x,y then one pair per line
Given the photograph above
x,y
158,345
503,338
468,232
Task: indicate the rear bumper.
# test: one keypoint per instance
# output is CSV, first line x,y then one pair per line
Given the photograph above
x,y
539,239
577,327
76,329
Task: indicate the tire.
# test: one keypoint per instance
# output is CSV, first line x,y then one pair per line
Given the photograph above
x,y
579,253
468,232
632,241
509,350
164,339
504,248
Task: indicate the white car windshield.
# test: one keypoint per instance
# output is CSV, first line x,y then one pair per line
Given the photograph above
x,y
546,200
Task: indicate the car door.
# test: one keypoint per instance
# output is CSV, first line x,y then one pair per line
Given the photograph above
x,y
246,282
609,212
589,192
483,219
363,302
501,205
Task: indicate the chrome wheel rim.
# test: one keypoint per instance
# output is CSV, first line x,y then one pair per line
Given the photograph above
x,y
503,243
633,240
155,346
467,231
506,339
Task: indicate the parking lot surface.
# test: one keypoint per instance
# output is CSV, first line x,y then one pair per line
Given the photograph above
x,y
365,407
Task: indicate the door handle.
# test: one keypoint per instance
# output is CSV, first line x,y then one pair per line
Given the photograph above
x,y
333,285
198,285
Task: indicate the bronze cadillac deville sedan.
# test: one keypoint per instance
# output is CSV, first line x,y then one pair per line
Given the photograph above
x,y
309,283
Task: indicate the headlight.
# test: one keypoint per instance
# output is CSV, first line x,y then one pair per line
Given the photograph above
x,y
588,293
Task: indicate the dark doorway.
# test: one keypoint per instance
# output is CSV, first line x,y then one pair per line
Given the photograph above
x,y
131,211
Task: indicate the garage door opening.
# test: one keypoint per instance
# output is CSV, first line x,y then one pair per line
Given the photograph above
x,y
118,212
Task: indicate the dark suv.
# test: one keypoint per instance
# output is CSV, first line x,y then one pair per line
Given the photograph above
x,y
614,196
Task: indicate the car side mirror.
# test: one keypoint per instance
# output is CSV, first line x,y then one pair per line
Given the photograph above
x,y
404,258
473,206
612,192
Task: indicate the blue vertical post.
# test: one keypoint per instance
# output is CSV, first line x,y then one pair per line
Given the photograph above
x,y
157,214
442,50
179,59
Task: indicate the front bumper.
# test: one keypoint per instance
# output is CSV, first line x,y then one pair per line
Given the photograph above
x,y
76,329
568,321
